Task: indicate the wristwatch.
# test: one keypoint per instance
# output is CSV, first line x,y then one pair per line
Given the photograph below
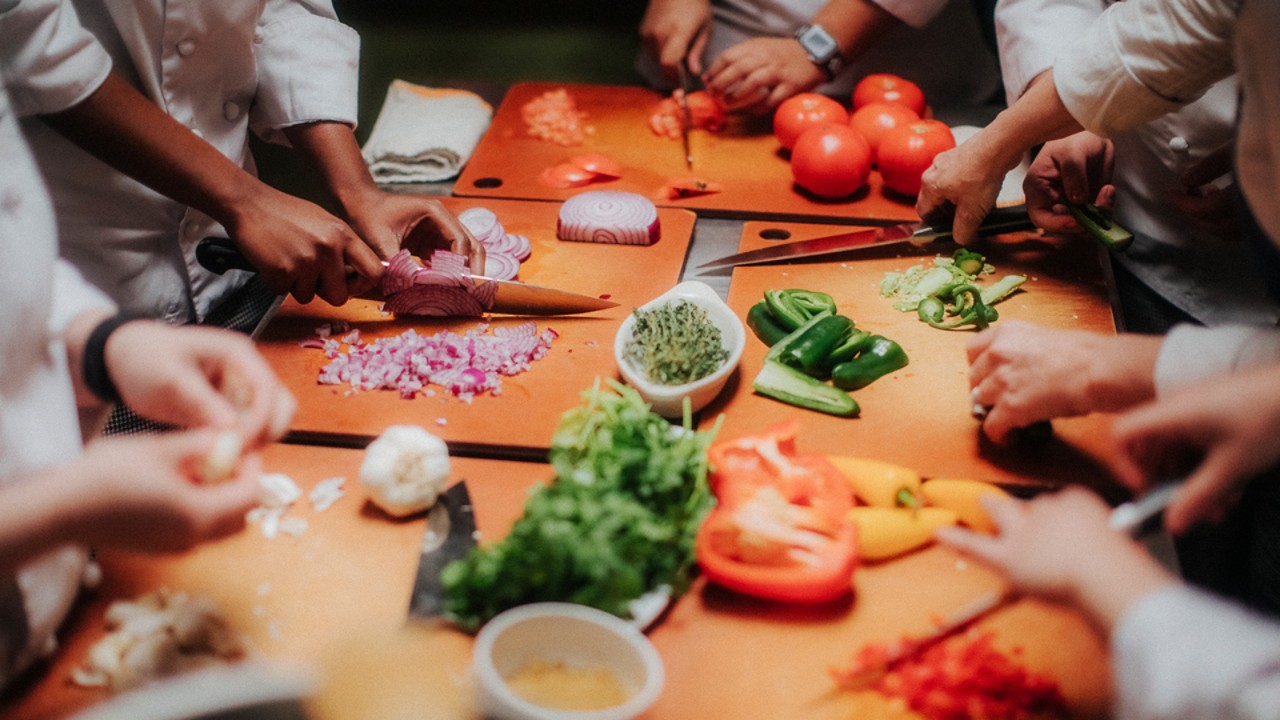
x,y
823,50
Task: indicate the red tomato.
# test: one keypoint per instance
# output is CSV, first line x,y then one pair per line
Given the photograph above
x,y
907,151
831,161
873,120
801,112
883,87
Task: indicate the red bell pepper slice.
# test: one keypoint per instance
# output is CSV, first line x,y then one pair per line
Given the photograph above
x,y
780,529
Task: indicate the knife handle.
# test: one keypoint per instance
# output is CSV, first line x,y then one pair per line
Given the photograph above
x,y
999,220
218,255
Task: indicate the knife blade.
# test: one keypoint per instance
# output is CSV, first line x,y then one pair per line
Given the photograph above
x,y
686,116
511,297
450,535
1000,220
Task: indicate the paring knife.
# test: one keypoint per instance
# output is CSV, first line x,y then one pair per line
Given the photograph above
x,y
1001,220
450,535
686,116
514,298
1131,517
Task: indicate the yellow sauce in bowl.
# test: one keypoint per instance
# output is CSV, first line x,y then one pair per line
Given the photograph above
x,y
562,687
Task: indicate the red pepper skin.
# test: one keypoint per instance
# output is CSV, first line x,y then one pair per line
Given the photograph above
x,y
738,471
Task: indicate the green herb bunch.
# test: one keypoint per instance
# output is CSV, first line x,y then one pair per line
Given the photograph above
x,y
675,343
618,520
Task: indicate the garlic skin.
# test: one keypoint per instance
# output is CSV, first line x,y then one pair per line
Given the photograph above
x,y
405,469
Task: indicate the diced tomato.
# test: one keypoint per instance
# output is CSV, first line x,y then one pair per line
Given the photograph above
x,y
554,116
566,175
598,164
686,187
780,528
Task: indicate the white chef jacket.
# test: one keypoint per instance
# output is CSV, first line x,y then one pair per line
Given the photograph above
x,y
39,425
940,48
1181,654
1144,58
220,68
1212,279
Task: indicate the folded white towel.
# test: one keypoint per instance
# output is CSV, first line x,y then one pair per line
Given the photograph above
x,y
425,134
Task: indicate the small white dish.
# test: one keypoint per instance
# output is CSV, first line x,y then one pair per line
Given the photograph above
x,y
575,636
667,400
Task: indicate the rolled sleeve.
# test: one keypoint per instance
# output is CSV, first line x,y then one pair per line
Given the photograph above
x,y
1029,33
916,13
1180,653
307,70
49,62
1142,59
1190,353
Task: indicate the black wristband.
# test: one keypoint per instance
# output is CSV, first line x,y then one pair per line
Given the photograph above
x,y
96,377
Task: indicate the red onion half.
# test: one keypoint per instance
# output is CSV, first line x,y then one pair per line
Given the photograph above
x,y
609,216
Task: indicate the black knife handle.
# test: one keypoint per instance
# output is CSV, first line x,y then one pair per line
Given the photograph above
x,y
219,255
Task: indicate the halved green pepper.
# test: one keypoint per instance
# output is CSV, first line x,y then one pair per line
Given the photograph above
x,y
879,357
763,324
793,387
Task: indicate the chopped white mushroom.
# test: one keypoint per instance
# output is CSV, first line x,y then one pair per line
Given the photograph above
x,y
405,469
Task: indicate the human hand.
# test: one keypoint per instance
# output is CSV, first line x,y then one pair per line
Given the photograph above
x,y
1024,373
756,75
140,493
1061,547
1219,434
301,249
674,32
1207,203
961,187
420,224
198,377
1077,169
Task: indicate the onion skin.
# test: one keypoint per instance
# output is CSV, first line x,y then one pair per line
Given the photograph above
x,y
611,217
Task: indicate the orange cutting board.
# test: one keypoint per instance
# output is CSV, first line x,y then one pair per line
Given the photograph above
x,y
335,599
920,416
520,421
744,158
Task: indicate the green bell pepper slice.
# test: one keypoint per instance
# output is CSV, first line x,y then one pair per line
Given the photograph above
x,y
879,357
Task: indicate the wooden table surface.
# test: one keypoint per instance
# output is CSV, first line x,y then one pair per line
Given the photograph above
x,y
745,158
335,600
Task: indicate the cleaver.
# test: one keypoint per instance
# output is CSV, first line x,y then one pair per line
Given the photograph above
x,y
450,535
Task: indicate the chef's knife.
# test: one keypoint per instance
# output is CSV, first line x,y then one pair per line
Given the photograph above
x,y
450,535
1131,517
514,298
1001,220
686,116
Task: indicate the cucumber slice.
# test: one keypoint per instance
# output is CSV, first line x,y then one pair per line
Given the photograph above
x,y
1091,217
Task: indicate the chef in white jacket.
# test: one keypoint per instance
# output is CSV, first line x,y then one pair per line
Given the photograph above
x,y
780,49
284,69
1207,276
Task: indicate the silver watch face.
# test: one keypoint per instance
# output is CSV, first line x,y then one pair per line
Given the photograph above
x,y
820,46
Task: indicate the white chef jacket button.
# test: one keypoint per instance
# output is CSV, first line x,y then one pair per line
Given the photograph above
x,y
1178,144
230,110
186,47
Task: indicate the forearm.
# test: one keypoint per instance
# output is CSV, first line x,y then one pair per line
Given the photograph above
x,y
1037,117
855,24
121,127
331,150
34,515
1108,589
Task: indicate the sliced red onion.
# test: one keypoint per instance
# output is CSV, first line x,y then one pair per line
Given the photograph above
x,y
435,301
609,216
517,246
400,273
482,222
501,266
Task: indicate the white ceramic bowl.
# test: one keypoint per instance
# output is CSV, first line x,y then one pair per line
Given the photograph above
x,y
575,635
667,400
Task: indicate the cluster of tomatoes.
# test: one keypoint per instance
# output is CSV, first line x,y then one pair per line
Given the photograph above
x,y
833,151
